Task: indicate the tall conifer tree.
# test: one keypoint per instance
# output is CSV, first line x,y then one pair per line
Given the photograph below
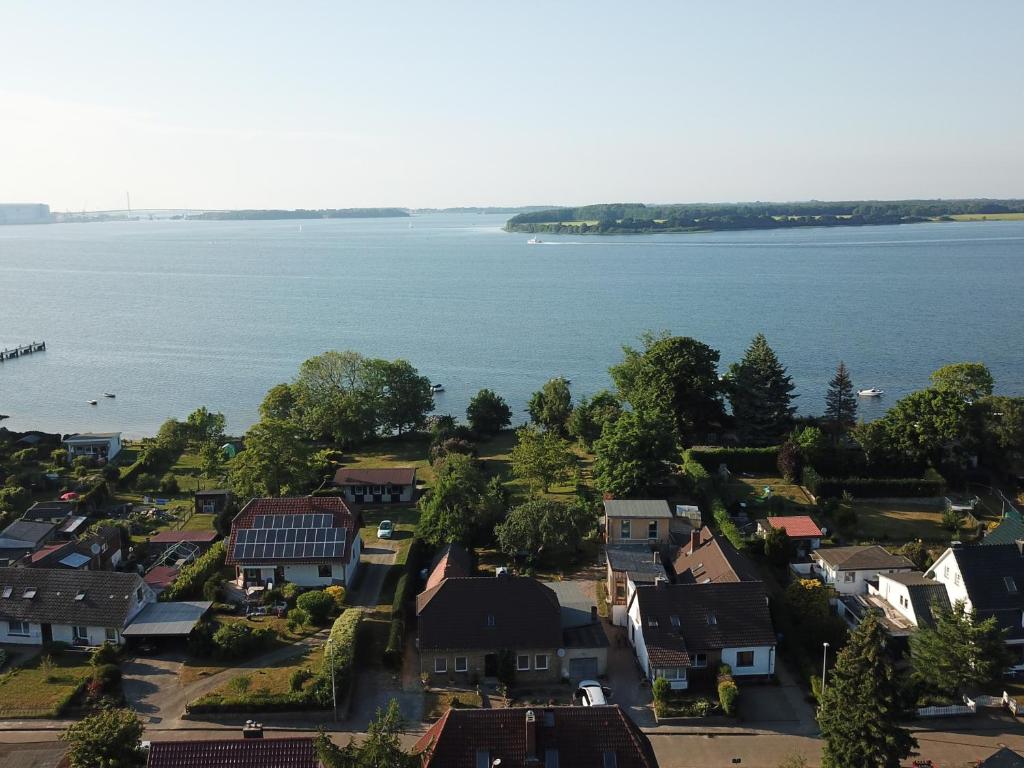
x,y
841,401
761,395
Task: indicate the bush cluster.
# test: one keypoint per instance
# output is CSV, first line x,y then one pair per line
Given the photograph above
x,y
343,644
318,605
728,694
871,487
756,460
234,641
190,581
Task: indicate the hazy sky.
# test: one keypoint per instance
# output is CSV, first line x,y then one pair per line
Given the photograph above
x,y
303,104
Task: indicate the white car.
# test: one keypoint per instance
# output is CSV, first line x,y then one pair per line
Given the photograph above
x,y
385,529
592,694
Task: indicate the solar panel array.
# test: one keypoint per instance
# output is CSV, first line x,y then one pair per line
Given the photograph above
x,y
289,543
293,521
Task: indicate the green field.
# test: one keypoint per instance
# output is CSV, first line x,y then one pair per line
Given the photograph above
x,y
26,692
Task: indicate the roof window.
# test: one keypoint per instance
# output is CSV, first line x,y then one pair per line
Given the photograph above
x,y
675,621
712,618
29,593
490,619
7,591
81,595
1011,585
609,759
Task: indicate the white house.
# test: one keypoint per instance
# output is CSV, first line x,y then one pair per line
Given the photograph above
x,y
903,601
81,608
311,541
684,631
96,445
848,569
383,485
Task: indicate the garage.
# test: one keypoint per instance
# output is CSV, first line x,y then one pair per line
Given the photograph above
x,y
584,668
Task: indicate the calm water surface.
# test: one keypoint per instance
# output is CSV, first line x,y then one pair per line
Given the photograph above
x,y
173,315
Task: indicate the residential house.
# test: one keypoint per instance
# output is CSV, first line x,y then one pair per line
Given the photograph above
x,y
1003,758
212,501
465,626
102,446
311,541
848,570
903,601
707,558
1009,530
251,751
385,485
451,560
683,632
81,608
803,532
22,537
584,651
990,582
195,542
554,737
626,567
632,521
56,512
100,552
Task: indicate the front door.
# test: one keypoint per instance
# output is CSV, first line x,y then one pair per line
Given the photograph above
x,y
47,633
491,665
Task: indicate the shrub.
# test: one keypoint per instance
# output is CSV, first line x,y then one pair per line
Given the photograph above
x,y
169,484
107,677
289,592
106,654
761,460
725,524
298,677
790,461
212,589
318,604
233,641
728,696
297,618
48,668
146,482
343,644
195,574
661,689
697,478
337,593
874,487
240,684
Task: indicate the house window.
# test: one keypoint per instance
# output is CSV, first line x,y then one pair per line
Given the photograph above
x,y
440,664
461,663
945,572
110,635
620,591
209,507
138,594
376,489
671,673
745,659
652,529
675,621
956,579
17,628
490,620
849,576
700,660
624,528
81,635
540,661
523,663
323,571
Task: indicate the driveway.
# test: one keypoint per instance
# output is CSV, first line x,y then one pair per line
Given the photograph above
x,y
374,563
629,688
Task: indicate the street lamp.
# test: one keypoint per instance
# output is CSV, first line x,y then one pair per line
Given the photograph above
x,y
334,691
824,661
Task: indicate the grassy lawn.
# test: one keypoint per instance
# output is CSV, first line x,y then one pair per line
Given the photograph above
x,y
406,451
26,692
496,455
436,703
199,522
746,489
274,679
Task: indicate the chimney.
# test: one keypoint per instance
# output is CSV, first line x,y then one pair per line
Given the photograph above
x,y
531,737
694,540
660,582
252,730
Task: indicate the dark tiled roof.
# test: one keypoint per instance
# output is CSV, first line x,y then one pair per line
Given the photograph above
x,y
715,560
1004,758
296,505
637,508
1009,530
710,617
923,597
296,752
376,476
456,614
861,558
638,561
44,510
581,736
994,579
451,560
108,596
173,537
585,636
28,530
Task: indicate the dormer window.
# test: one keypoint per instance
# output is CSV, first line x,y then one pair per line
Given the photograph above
x,y
712,618
490,620
1011,585
652,621
675,621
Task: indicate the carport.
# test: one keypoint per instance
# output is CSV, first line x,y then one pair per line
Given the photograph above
x,y
159,620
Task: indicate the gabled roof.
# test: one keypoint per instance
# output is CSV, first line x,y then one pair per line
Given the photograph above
x,y
679,620
714,560
581,737
1004,758
342,518
295,752
486,612
375,476
45,510
994,579
31,531
637,508
796,526
107,596
861,558
924,593
91,437
451,560
1009,530
173,537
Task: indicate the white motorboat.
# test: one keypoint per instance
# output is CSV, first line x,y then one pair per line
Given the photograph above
x,y
871,392
109,394
535,241
91,402
437,387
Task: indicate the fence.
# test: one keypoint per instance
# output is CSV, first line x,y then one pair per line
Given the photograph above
x,y
969,707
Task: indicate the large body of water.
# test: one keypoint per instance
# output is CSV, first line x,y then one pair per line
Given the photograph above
x,y
173,315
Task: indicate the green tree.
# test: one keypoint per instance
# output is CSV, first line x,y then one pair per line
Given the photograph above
x,y
921,428
674,378
318,604
778,547
551,406
633,455
969,381
276,461
334,397
461,506
381,747
543,525
211,459
205,426
279,403
589,417
111,738
541,458
841,401
404,398
860,708
488,413
761,395
172,437
959,651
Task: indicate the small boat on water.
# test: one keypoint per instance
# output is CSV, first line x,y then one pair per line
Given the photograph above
x,y
109,394
871,392
4,416
91,402
535,241
437,387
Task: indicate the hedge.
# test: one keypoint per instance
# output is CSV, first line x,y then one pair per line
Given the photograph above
x,y
871,487
698,477
404,593
253,702
343,641
725,524
189,584
737,459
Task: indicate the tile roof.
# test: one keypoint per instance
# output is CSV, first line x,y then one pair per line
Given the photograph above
x,y
796,526
710,617
581,736
1009,530
451,560
44,510
296,752
994,579
715,560
486,612
1004,758
109,596
637,508
91,436
172,537
294,505
375,476
31,531
161,577
861,558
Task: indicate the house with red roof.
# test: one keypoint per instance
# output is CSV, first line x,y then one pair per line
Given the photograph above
x,y
801,529
311,541
379,485
252,752
164,540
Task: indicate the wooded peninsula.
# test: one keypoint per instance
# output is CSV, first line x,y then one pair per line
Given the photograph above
x,y
637,218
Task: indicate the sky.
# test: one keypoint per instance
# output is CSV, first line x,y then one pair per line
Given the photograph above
x,y
343,104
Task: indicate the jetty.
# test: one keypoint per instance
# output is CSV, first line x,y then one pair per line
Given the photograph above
x,y
26,349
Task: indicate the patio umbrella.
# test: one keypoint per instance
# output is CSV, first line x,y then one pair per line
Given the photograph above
x,y
69,496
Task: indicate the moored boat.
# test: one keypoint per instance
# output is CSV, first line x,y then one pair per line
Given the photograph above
x,y
870,392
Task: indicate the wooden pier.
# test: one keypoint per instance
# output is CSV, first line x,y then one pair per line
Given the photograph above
x,y
27,349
